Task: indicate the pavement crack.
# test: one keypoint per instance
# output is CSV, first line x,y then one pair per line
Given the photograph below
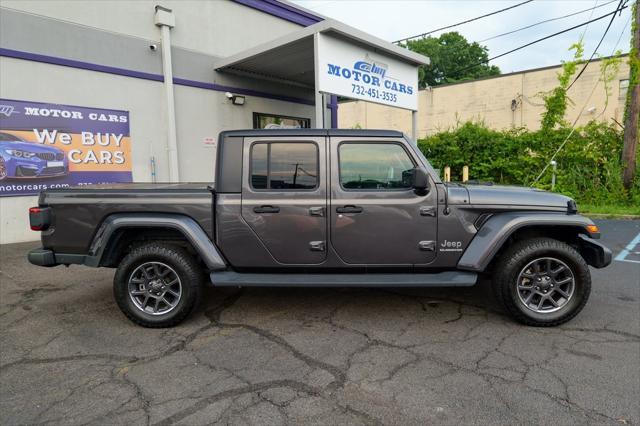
x,y
258,387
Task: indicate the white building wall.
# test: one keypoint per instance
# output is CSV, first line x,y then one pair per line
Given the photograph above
x,y
219,28
200,113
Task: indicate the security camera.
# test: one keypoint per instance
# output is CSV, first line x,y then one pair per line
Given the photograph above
x,y
153,47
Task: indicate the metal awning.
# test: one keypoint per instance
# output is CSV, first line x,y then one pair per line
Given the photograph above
x,y
290,59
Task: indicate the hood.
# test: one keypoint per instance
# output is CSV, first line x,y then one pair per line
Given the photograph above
x,y
29,147
514,195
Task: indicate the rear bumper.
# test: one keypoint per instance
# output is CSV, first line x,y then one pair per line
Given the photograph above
x,y
596,254
42,257
46,257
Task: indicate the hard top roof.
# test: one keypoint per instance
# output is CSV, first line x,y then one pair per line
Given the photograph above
x,y
312,132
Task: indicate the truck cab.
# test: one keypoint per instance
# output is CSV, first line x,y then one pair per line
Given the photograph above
x,y
318,199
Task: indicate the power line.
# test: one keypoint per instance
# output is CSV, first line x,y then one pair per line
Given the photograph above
x,y
621,6
548,20
463,22
584,32
621,34
539,40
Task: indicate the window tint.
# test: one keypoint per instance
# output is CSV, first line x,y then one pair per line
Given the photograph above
x,y
281,166
374,166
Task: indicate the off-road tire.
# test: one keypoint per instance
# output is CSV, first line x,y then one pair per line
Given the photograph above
x,y
186,268
516,257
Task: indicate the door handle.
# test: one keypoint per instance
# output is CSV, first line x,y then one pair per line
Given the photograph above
x,y
266,209
349,209
428,211
316,211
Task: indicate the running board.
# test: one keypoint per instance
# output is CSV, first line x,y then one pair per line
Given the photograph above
x,y
440,279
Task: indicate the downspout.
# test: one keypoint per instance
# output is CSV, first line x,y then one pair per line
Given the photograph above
x,y
165,19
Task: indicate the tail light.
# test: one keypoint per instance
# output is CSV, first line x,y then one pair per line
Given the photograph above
x,y
39,218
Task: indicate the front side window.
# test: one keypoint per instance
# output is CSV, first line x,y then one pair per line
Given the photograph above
x,y
377,166
284,166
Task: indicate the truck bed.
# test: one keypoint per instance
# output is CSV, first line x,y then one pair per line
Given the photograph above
x,y
85,208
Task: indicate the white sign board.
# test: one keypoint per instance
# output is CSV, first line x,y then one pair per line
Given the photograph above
x,y
348,70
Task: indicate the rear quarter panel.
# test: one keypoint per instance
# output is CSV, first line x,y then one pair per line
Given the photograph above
x,y
78,213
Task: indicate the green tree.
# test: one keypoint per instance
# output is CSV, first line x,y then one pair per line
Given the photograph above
x,y
452,59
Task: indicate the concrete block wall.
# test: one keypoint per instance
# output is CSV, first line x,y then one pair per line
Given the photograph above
x,y
490,100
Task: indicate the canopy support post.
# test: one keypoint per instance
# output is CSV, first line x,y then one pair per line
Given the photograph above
x,y
319,98
414,126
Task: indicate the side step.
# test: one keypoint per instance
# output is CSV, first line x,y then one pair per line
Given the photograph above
x,y
440,279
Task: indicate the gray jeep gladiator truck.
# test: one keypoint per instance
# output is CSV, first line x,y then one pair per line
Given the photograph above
x,y
318,207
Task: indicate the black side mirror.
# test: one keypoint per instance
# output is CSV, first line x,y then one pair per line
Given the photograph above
x,y
420,181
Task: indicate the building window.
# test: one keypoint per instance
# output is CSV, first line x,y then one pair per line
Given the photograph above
x,y
272,121
624,86
284,166
374,166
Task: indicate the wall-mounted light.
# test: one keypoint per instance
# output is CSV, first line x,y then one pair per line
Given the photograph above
x,y
235,99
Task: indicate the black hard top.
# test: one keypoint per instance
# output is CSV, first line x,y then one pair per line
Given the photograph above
x,y
312,132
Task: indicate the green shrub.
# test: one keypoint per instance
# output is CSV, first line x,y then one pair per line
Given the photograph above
x,y
589,167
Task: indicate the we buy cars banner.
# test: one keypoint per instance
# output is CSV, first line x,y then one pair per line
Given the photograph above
x,y
44,146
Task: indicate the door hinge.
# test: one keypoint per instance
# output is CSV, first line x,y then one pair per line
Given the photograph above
x,y
316,211
428,211
316,245
427,245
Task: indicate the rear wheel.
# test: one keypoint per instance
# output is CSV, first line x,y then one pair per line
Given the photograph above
x,y
157,285
542,282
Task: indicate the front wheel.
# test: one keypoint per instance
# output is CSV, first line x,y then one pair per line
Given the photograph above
x,y
157,285
542,282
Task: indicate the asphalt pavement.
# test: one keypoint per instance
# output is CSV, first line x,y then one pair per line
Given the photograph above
x,y
316,356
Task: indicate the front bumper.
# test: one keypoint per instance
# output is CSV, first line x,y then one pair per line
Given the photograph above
x,y
595,253
21,168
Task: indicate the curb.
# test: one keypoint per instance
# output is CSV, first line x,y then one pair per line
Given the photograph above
x,y
611,216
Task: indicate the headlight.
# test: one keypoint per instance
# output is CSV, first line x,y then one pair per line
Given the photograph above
x,y
20,154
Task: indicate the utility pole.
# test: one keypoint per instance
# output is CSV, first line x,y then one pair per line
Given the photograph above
x,y
630,142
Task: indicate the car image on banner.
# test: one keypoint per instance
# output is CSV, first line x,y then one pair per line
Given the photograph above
x,y
22,159
46,146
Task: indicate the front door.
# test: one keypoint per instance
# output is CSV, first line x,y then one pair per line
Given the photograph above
x,y
284,197
376,218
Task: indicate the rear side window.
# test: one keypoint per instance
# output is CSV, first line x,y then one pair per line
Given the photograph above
x,y
284,166
374,166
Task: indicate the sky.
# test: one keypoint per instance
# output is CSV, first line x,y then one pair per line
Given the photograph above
x,y
393,20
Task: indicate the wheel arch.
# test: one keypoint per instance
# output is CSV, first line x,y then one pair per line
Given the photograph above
x,y
503,229
120,231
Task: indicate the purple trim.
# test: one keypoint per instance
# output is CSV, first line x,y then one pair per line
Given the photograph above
x,y
145,75
283,11
78,64
334,111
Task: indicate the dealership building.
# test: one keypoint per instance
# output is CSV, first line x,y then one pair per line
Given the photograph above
x,y
103,91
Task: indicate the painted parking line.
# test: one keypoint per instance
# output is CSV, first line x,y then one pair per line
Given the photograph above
x,y
632,248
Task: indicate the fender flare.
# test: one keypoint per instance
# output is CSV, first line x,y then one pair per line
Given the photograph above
x,y
183,224
495,232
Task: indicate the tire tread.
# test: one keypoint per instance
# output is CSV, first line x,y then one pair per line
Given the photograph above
x,y
515,254
179,258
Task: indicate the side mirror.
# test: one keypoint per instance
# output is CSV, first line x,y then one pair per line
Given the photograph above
x,y
420,181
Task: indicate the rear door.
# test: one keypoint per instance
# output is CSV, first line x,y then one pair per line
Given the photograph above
x,y
284,196
376,218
